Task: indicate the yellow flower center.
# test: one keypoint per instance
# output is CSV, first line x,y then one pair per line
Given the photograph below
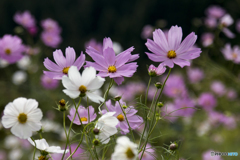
x,y
65,70
62,102
234,55
129,153
41,158
22,118
84,119
171,54
83,89
8,51
120,117
112,69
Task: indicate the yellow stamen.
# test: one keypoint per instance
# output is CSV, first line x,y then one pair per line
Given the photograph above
x,y
8,51
112,69
83,89
42,158
234,55
171,54
22,118
130,153
84,119
65,70
120,117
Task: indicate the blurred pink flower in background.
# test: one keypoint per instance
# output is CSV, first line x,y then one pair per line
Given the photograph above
x,y
149,153
215,11
218,88
207,39
210,22
231,53
51,39
147,32
31,50
49,83
207,156
51,26
169,50
168,112
83,113
238,25
207,101
184,107
25,19
231,94
195,75
94,44
11,48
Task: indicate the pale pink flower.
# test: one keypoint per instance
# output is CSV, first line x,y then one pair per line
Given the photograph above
x,y
232,54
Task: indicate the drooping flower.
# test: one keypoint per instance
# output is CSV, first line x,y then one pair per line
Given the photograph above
x,y
207,39
153,71
134,120
42,145
169,49
49,83
23,117
25,19
110,65
106,126
85,84
226,21
125,149
51,39
63,64
231,53
195,75
149,153
11,48
83,113
207,101
51,26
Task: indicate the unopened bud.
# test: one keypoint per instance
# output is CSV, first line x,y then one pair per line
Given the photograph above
x,y
62,105
96,131
157,116
158,85
124,106
42,158
96,142
117,98
62,102
82,94
173,146
160,104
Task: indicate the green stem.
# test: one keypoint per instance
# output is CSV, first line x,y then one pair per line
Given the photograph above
x,y
127,121
65,130
146,96
34,148
50,156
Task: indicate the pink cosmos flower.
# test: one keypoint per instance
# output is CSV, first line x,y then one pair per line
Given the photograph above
x,y
25,19
169,49
149,153
153,71
134,120
51,39
215,11
195,75
168,112
94,44
110,65
231,94
232,54
49,83
218,88
184,107
207,39
147,32
63,64
31,50
210,22
83,113
11,48
51,26
207,101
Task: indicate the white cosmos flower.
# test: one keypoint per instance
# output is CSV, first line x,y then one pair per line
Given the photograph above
x,y
23,117
86,83
107,127
42,145
125,149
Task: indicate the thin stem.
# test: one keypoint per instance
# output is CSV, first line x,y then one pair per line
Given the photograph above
x,y
76,107
106,95
50,156
34,148
64,126
149,82
95,152
127,121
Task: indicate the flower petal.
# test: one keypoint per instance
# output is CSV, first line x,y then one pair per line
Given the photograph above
x,y
80,61
71,93
168,63
74,77
94,97
59,58
181,62
88,75
153,47
160,39
187,43
156,58
51,66
109,56
68,84
70,56
174,37
96,83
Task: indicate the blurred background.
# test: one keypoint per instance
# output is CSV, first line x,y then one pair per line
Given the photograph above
x,y
130,23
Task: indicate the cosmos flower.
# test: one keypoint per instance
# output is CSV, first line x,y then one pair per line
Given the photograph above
x,y
106,126
232,54
149,153
23,117
11,48
195,75
51,39
134,120
110,65
125,149
207,39
153,71
147,32
169,49
42,145
49,83
207,101
25,19
215,11
218,88
63,64
83,113
94,44
80,85
51,26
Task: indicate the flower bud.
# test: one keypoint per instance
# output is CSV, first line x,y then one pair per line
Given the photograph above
x,y
96,142
157,116
42,158
96,131
160,104
124,106
117,98
153,71
158,85
62,105
173,146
